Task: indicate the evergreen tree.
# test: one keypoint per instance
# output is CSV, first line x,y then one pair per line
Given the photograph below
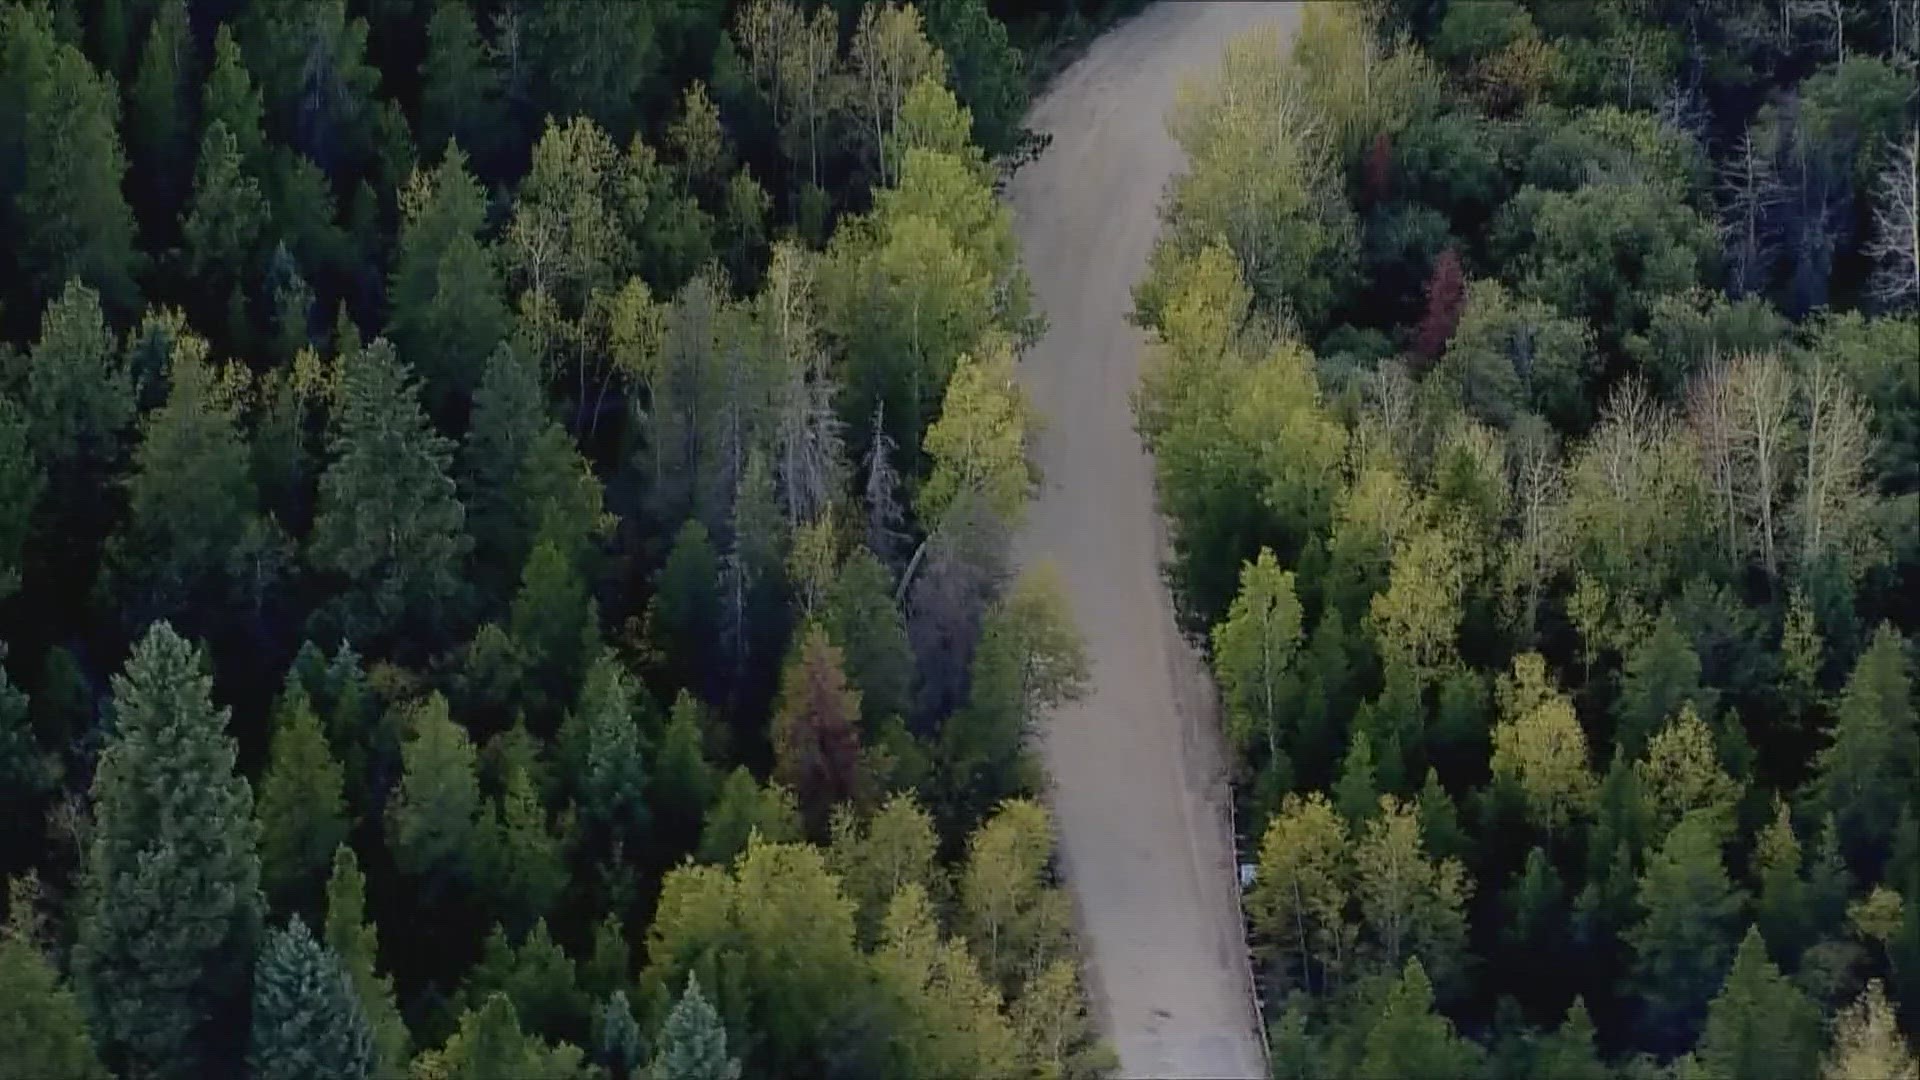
x,y
26,772
159,110
172,884
21,483
69,219
224,224
1684,941
1760,1026
553,621
43,1031
194,513
525,867
79,394
863,621
1410,1039
742,808
449,310
816,732
518,470
1868,772
389,528
1569,1054
614,784
685,609
693,1044
352,937
302,816
307,1019
460,87
621,1047
537,977
685,781
434,816
1658,676
230,98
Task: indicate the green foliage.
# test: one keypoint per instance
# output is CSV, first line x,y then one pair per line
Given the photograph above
x,y
171,901
302,818
1410,1039
79,394
307,1019
1253,652
743,808
861,618
388,520
353,939
1759,1025
1875,752
1686,937
446,298
43,1030
433,819
693,1044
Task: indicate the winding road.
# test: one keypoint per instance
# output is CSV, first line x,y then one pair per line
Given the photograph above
x,y
1136,778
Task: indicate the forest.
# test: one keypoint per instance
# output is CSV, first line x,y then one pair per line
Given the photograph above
x,y
1534,392
504,543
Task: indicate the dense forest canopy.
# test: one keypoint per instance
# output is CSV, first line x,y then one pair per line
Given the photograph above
x,y
1535,395
503,542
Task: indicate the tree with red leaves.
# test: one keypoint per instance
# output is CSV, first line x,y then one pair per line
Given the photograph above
x,y
816,733
1379,170
1446,295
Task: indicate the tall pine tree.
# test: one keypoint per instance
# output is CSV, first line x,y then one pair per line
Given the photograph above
x,y
307,1019
171,902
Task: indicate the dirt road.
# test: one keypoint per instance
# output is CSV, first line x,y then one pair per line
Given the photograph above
x,y
1137,785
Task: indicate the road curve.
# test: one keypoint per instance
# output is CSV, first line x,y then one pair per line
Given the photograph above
x,y
1136,782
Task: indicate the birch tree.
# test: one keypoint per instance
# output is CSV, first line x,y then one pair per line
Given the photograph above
x,y
890,53
1896,228
1835,491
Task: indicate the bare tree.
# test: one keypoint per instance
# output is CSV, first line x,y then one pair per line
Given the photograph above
x,y
1833,487
1751,193
1896,228
807,444
1538,547
1831,13
885,516
965,568
1742,413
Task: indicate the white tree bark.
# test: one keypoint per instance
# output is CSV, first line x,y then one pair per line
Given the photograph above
x,y
1896,234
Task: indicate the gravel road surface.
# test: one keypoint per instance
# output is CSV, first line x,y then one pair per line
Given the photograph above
x,y
1137,785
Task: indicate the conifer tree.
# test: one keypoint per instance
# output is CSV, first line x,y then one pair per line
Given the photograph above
x,y
1686,937
301,810
171,903
389,529
613,785
693,1044
684,780
524,869
449,311
621,1049
79,394
159,110
816,732
230,98
352,937
433,817
224,223
1569,1054
1868,771
1410,1039
307,1019
1867,1044
1760,1025
21,483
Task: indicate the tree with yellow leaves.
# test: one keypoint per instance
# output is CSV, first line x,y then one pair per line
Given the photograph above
x,y
1540,747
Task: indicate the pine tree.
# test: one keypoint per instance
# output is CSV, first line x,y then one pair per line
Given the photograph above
x,y
1868,771
449,309
1657,677
158,110
621,1047
69,219
614,784
525,865
685,782
863,621
307,1019
742,808
1410,1039
459,85
352,938
1569,1054
519,472
434,816
302,814
950,1022
224,223
1686,938
172,888
389,526
1356,794
1760,1026
192,505
539,979
79,394
693,1044
26,771
43,1030
21,483
816,728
